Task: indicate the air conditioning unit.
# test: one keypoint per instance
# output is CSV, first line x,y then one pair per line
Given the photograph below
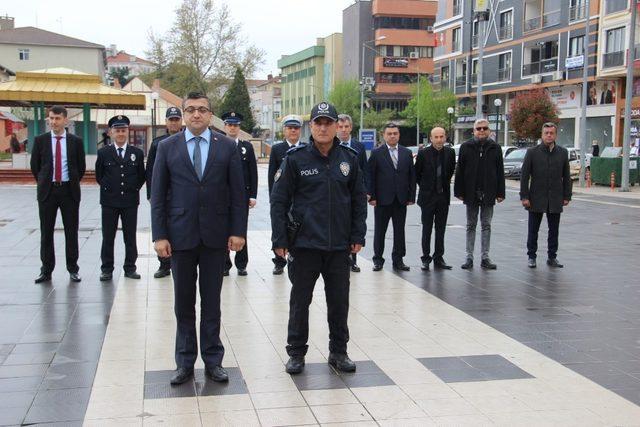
x,y
370,81
558,75
536,78
430,28
414,55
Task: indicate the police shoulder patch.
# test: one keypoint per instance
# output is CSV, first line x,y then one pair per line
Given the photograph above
x,y
277,176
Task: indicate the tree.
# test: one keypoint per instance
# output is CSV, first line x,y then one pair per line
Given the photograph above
x,y
432,106
121,74
345,96
237,99
177,78
530,111
156,52
377,119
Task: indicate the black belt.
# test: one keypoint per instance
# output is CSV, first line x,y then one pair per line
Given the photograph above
x,y
60,184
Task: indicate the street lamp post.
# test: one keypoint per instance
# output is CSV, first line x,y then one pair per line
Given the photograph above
x,y
497,102
450,111
154,96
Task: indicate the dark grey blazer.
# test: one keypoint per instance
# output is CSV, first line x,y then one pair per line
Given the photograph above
x,y
546,178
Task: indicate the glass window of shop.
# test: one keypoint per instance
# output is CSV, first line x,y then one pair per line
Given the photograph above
x,y
600,129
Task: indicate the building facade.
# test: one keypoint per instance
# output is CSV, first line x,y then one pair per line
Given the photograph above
x,y
357,29
266,105
117,59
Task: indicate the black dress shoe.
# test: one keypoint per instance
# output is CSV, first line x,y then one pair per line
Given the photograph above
x,y
225,272
554,263
425,266
532,263
487,264
468,264
439,263
295,365
43,277
132,275
401,267
105,277
355,268
161,273
181,376
75,277
377,267
242,272
278,270
217,374
341,362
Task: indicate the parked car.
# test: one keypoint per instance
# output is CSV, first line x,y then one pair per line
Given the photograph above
x,y
414,150
513,163
508,149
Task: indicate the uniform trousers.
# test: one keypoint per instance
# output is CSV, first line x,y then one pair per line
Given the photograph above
x,y
305,267
205,266
59,198
129,218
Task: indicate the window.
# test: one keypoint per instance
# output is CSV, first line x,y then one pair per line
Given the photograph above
x,y
403,23
23,54
456,40
504,66
577,10
614,50
475,29
457,7
506,25
444,75
576,46
612,6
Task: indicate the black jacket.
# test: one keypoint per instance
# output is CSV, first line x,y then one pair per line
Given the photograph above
x,y
278,153
387,183
546,178
151,159
42,158
120,179
426,173
249,168
466,173
362,160
325,194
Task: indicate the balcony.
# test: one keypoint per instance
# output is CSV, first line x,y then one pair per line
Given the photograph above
x,y
613,59
544,66
577,13
546,20
505,33
533,24
504,74
613,6
461,82
393,88
474,79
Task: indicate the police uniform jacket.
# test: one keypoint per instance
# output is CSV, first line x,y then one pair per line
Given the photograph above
x,y
249,168
120,179
151,158
326,195
278,153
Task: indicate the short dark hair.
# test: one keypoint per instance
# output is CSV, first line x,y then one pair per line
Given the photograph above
x,y
390,125
58,109
197,95
550,125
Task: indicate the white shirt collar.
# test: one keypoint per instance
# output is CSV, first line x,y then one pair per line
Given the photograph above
x,y
291,144
390,147
124,147
64,135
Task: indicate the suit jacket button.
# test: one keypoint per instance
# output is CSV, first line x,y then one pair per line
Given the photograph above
x,y
122,192
122,175
121,166
122,183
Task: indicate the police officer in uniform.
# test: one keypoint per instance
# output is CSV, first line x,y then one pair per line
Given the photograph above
x,y
318,217
120,173
232,121
291,126
173,122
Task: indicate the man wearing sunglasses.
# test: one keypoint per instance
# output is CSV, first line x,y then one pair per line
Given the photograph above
x,y
480,184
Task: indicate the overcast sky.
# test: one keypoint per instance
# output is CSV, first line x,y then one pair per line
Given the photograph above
x,y
279,27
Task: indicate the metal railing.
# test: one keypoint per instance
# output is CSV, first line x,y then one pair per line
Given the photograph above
x,y
474,78
551,18
612,6
533,24
577,12
474,41
504,74
613,59
461,82
505,32
544,66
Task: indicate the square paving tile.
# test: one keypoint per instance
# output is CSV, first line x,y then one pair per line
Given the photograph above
x,y
156,385
321,376
490,367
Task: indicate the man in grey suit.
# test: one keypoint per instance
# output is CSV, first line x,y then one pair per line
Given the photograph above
x,y
198,212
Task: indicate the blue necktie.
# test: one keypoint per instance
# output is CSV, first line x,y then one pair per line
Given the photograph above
x,y
197,157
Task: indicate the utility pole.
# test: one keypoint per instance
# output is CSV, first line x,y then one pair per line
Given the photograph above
x,y
585,77
418,109
481,14
362,88
626,142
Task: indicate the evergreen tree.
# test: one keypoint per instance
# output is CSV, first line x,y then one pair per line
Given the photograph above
x,y
237,99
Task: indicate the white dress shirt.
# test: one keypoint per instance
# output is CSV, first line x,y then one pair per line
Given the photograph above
x,y
63,149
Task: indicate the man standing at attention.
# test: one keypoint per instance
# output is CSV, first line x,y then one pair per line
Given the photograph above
x,y
345,127
392,187
291,125
545,188
434,168
480,184
232,121
58,165
198,212
173,122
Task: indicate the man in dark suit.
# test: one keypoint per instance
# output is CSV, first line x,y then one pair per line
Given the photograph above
x,y
120,174
345,127
173,122
392,187
434,168
232,121
291,125
58,165
198,212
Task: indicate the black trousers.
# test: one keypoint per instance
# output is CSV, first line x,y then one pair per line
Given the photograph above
x,y
129,219
436,212
204,265
305,267
59,198
397,213
553,222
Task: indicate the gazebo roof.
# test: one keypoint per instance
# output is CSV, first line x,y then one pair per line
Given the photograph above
x,y
65,87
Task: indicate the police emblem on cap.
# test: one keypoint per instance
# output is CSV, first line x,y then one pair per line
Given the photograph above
x,y
323,106
277,175
233,114
119,117
345,168
133,157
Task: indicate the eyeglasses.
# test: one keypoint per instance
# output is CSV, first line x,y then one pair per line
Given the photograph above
x,y
482,128
201,110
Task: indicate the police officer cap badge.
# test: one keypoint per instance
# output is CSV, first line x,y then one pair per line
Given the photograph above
x,y
345,168
277,175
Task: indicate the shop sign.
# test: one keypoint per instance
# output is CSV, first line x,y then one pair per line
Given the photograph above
x,y
395,62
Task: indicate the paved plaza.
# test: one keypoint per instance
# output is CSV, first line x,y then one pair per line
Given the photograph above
x,y
509,347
